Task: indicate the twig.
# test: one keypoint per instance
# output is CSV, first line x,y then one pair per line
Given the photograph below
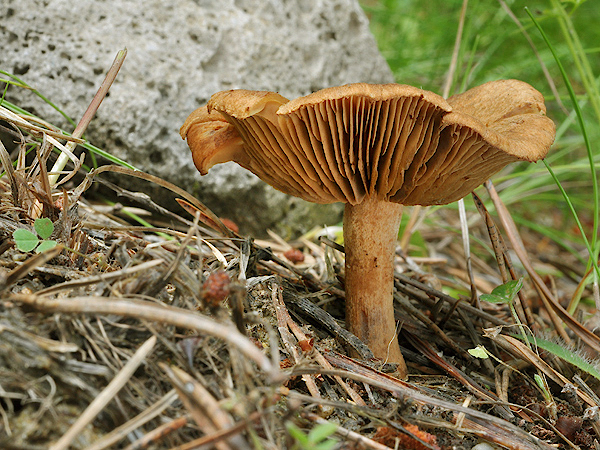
x,y
31,263
220,435
102,278
11,117
555,310
430,325
299,334
402,280
505,263
476,422
106,395
203,407
148,414
457,374
524,352
329,323
283,319
350,435
90,112
158,433
160,313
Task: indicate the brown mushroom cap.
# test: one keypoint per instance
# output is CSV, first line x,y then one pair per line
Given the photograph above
x,y
393,142
212,140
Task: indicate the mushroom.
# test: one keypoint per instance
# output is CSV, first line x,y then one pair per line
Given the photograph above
x,y
375,148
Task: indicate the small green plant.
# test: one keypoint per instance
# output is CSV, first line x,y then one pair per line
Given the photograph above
x,y
317,439
479,352
27,241
506,293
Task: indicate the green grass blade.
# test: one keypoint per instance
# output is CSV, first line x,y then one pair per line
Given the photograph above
x,y
92,148
592,248
566,353
593,259
40,95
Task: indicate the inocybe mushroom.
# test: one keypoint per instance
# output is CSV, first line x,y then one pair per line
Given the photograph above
x,y
375,148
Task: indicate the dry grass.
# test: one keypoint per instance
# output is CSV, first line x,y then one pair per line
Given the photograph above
x,y
194,336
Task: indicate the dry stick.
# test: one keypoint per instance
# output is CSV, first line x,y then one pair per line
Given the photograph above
x,y
487,425
102,278
283,319
213,221
328,322
157,433
464,228
220,435
145,416
415,312
505,263
473,387
522,351
42,155
9,116
90,112
350,435
25,268
318,355
351,365
10,173
555,310
159,313
454,303
203,407
197,204
67,151
106,395
497,243
519,248
145,200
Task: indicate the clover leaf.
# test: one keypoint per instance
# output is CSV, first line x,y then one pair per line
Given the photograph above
x,y
27,241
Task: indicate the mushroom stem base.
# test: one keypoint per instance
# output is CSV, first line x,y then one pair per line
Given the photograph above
x,y
370,232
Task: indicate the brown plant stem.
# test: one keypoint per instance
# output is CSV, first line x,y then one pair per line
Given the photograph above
x,y
370,232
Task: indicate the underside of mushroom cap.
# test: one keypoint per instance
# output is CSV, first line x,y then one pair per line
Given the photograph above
x,y
489,127
393,142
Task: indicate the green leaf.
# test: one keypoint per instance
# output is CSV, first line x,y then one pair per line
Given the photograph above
x,y
44,227
295,432
478,352
493,298
505,293
325,445
322,432
25,239
45,245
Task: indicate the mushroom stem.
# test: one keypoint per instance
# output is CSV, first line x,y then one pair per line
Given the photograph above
x,y
370,232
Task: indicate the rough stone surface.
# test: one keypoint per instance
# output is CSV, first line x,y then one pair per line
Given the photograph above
x,y
179,53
